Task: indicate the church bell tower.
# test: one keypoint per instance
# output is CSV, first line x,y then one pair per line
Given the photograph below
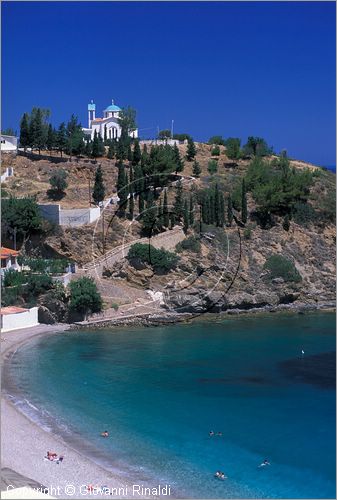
x,y
91,112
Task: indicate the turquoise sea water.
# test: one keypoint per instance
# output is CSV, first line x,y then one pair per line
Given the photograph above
x,y
159,391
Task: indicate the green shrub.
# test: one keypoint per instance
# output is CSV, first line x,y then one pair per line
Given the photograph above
x,y
115,306
281,267
216,139
161,260
37,284
22,214
10,296
215,151
50,266
304,214
13,278
58,180
328,206
212,167
84,296
192,244
247,233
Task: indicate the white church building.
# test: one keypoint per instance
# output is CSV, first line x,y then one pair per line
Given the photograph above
x,y
109,122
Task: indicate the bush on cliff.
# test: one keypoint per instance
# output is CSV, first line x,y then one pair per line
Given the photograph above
x,y
161,260
84,296
281,267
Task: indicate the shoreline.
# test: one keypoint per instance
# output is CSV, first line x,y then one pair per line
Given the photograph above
x,y
25,442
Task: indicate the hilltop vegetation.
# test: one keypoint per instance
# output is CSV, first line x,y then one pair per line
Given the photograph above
x,y
270,218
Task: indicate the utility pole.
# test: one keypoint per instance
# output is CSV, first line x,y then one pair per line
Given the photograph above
x,y
172,129
89,191
103,237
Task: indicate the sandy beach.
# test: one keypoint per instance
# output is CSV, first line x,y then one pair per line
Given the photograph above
x,y
24,444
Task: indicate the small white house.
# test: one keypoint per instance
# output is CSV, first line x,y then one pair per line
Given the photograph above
x,y
14,318
9,144
9,260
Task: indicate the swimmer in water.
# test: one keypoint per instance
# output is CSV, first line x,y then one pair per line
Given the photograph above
x,y
264,463
105,434
211,433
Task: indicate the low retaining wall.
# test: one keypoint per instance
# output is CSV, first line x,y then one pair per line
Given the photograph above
x,y
23,319
73,217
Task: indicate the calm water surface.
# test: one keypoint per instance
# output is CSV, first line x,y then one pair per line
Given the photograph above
x,y
159,391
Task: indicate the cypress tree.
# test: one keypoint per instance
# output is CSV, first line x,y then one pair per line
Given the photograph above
x,y
191,150
88,147
196,169
191,211
166,216
131,181
122,189
179,203
129,153
206,212
186,216
131,206
61,138
111,150
101,147
99,190
95,146
24,132
50,138
160,216
177,160
105,135
120,152
137,154
141,204
244,212
172,220
137,177
230,210
38,130
149,217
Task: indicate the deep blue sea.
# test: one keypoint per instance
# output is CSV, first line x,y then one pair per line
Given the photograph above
x,y
159,391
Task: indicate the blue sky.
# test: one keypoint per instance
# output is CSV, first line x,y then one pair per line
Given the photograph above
x,y
229,68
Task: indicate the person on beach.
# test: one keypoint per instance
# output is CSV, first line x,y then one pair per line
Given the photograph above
x,y
60,459
105,434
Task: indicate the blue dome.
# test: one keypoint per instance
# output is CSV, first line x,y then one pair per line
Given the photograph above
x,y
113,107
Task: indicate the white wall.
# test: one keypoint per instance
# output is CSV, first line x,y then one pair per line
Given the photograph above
x,y
73,217
9,172
24,319
9,143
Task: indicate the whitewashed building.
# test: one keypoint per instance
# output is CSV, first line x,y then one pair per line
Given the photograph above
x,y
108,122
9,144
9,260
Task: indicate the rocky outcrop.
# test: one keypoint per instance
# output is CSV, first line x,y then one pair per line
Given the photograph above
x,y
53,308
